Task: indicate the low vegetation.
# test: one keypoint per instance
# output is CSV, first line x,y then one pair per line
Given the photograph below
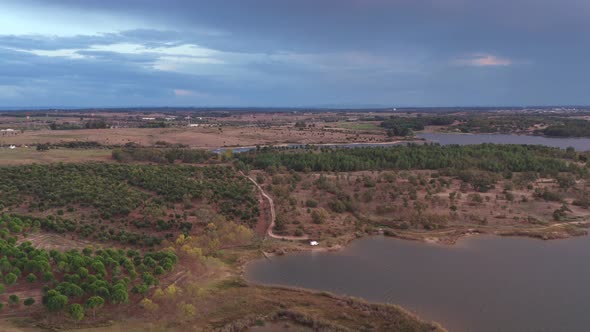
x,y
334,194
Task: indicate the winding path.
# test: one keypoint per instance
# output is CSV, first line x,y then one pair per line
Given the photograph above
x,y
269,231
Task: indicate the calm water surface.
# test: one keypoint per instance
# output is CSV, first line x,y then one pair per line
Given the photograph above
x,y
481,284
580,144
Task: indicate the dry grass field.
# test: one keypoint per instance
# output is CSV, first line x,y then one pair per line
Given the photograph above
x,y
30,155
198,137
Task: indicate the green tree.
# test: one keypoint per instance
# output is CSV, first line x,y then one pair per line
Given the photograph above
x,y
31,277
29,302
10,278
93,303
56,301
119,294
76,311
70,289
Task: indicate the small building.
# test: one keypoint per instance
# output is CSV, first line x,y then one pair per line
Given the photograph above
x,y
313,243
148,119
193,124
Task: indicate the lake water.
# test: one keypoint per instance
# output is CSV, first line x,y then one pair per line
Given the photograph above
x,y
483,283
580,144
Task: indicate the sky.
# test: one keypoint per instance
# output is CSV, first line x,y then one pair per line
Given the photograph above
x,y
294,53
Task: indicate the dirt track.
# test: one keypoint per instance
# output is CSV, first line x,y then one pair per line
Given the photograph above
x,y
269,231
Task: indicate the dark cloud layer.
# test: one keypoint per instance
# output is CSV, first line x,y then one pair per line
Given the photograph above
x,y
306,52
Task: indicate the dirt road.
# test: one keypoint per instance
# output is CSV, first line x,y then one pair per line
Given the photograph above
x,y
269,231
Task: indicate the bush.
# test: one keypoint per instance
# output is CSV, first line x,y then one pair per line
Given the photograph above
x,y
42,147
476,198
337,206
319,216
13,300
10,278
311,203
548,195
31,277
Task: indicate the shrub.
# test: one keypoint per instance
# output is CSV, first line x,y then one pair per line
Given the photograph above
x,y
13,300
311,203
319,216
31,277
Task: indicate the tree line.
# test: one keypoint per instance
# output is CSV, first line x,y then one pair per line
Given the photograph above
x,y
568,128
162,155
486,157
404,126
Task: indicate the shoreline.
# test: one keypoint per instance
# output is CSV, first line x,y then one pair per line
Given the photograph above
x,y
451,237
301,247
287,145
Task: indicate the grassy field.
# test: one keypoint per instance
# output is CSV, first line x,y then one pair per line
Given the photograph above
x,y
21,156
359,125
201,137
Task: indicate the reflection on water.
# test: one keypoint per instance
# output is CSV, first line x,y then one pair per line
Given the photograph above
x,y
580,144
481,284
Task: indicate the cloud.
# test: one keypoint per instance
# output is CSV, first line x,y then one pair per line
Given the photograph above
x,y
483,60
64,53
18,18
167,52
412,52
170,49
183,92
